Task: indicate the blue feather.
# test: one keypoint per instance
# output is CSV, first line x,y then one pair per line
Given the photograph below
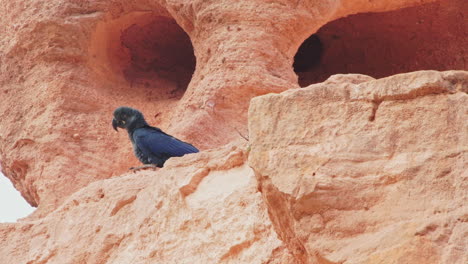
x,y
156,146
150,144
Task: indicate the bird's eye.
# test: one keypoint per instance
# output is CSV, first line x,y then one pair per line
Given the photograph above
x,y
123,122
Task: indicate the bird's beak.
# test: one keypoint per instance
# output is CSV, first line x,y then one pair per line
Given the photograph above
x,y
114,124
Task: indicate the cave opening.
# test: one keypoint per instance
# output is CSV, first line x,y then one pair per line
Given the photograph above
x,y
426,37
160,55
308,55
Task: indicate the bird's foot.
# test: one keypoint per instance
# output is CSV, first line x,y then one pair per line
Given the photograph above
x,y
147,166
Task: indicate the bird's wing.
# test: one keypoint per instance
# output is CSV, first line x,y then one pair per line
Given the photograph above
x,y
154,141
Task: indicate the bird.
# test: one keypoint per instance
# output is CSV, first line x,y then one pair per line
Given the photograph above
x,y
151,145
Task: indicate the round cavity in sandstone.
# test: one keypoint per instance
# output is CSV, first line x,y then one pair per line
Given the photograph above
x,y
144,51
158,52
425,37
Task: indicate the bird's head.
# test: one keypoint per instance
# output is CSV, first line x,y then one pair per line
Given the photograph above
x,y
127,118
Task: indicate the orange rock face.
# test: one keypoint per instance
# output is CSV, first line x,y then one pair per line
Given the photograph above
x,y
351,170
367,171
384,44
65,66
201,209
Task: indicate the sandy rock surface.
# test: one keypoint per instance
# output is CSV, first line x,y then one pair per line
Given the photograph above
x,y
195,210
367,171
355,169
66,65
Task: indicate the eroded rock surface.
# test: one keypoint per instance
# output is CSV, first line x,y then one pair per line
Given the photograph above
x,y
199,209
66,65
367,171
351,170
333,177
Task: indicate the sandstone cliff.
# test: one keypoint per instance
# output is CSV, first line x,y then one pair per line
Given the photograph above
x,y
350,170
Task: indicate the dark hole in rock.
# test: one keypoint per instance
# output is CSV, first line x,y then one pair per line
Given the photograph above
x,y
161,56
309,54
426,37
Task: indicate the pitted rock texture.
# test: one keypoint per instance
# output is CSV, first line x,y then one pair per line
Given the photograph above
x,y
66,65
367,171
